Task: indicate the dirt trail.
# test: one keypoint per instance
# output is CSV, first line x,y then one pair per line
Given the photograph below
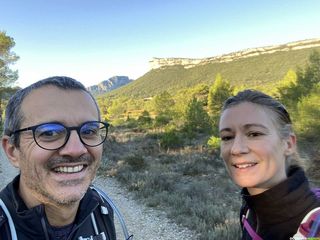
x,y
7,171
144,223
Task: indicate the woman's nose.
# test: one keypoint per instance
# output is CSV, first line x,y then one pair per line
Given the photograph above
x,y
239,146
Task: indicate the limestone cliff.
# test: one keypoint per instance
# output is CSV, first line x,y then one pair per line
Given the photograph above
x,y
191,62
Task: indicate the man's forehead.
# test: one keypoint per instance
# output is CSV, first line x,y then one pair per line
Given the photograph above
x,y
50,102
52,89
51,93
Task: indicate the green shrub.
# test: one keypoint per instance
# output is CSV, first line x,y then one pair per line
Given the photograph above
x,y
161,120
214,142
144,119
136,162
130,123
170,139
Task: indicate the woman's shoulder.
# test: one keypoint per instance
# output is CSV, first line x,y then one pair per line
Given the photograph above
x,y
310,225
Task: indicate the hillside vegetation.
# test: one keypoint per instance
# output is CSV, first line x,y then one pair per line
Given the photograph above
x,y
166,149
261,72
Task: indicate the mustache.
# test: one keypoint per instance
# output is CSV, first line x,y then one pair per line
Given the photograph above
x,y
59,160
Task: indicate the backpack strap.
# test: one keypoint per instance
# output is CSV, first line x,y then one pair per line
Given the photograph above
x,y
316,192
107,199
248,227
10,221
310,225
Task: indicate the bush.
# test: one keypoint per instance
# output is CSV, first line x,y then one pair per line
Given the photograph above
x,y
136,162
131,123
170,139
214,142
161,120
144,119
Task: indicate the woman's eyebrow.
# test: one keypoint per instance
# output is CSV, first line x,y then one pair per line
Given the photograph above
x,y
225,130
246,126
249,125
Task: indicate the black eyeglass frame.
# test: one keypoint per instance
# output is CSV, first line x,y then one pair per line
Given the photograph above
x,y
69,129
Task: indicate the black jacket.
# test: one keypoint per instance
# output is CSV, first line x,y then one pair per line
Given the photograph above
x,y
32,224
279,210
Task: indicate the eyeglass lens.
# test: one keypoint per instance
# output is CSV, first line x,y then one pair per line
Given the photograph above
x,y
55,135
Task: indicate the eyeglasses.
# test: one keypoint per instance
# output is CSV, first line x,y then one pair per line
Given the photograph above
x,y
52,136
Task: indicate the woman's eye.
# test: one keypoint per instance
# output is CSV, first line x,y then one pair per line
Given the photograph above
x,y
254,134
226,138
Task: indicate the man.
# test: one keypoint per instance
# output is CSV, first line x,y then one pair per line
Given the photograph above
x,y
54,135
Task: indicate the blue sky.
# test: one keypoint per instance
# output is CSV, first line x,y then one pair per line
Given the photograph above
x,y
93,40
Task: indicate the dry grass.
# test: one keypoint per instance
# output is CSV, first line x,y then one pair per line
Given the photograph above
x,y
189,183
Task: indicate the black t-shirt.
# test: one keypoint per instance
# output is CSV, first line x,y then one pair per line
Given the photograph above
x,y
60,233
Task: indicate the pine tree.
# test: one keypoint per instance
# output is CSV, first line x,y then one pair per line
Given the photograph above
x,y
7,57
218,93
197,119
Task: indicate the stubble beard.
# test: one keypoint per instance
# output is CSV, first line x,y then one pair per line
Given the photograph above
x,y
61,198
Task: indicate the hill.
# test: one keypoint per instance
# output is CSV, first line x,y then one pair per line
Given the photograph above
x,y
257,67
109,84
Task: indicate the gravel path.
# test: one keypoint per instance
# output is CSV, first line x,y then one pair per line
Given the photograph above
x,y
144,223
7,171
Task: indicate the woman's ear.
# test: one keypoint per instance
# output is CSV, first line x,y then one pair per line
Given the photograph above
x,y
291,144
11,151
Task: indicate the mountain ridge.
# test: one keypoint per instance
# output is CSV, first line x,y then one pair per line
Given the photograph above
x,y
156,63
109,84
250,68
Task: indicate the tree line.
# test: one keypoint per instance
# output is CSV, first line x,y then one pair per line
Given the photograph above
x,y
196,110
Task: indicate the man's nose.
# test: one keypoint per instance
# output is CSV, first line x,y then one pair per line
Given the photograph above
x,y
73,147
239,146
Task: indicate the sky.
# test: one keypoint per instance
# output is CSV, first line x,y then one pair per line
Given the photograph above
x,y
93,40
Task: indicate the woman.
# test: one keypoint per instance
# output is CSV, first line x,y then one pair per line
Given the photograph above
x,y
258,147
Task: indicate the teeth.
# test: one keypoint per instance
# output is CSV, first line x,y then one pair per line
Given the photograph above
x,y
74,169
246,165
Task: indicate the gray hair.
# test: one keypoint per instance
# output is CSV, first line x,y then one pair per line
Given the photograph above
x,y
282,118
14,115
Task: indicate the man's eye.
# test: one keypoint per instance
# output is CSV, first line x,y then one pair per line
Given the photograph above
x,y
87,132
48,134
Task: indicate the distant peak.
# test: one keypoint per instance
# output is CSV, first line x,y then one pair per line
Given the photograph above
x,y
109,84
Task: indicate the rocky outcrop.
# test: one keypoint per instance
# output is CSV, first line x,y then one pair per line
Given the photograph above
x,y
109,85
191,62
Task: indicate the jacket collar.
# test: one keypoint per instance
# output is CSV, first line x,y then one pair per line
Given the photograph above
x,y
275,204
28,220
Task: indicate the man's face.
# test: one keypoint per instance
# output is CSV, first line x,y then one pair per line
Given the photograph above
x,y
58,177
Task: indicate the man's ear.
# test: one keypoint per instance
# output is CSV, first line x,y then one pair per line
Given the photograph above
x,y
11,151
291,144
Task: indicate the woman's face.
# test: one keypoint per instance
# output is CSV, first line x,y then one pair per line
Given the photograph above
x,y
251,147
